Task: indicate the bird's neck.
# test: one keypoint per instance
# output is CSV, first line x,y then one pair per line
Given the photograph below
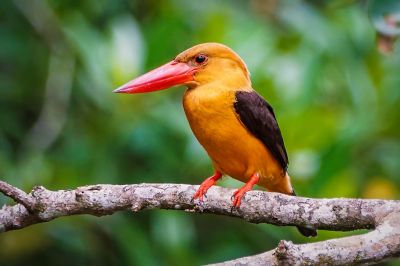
x,y
214,93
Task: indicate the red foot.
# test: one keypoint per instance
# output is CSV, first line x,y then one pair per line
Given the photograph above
x,y
238,194
209,182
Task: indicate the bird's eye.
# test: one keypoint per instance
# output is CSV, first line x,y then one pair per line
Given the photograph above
x,y
199,59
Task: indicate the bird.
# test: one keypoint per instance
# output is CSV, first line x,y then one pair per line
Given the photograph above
x,y
236,126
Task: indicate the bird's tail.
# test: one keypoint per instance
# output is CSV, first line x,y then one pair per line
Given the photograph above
x,y
307,230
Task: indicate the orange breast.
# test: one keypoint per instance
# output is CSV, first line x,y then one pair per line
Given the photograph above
x,y
233,149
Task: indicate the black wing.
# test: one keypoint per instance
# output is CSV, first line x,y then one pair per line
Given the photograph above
x,y
259,118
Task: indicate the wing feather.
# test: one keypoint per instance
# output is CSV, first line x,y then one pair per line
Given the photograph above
x,y
259,118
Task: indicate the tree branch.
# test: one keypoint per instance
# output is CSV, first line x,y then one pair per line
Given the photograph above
x,y
43,205
375,246
17,195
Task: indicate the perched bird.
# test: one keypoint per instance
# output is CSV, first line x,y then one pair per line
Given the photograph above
x,y
234,124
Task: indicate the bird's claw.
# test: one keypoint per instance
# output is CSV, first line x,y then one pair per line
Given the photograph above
x,y
234,194
200,194
199,207
237,199
234,208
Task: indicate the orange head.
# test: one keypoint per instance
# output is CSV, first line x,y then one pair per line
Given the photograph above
x,y
197,66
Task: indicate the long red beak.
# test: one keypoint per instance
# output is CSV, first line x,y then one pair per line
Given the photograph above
x,y
163,77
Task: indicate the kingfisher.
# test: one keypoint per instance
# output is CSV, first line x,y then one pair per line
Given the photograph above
x,y
235,125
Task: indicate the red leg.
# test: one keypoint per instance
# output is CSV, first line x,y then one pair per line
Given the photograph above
x,y
238,194
209,182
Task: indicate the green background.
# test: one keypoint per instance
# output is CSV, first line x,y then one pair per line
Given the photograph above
x,y
335,96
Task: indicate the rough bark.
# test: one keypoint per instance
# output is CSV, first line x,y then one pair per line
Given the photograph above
x,y
42,205
375,246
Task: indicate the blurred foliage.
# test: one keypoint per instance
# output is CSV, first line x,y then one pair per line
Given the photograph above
x,y
336,98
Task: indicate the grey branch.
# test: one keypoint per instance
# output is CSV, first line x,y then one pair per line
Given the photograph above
x,y
375,246
18,195
42,205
